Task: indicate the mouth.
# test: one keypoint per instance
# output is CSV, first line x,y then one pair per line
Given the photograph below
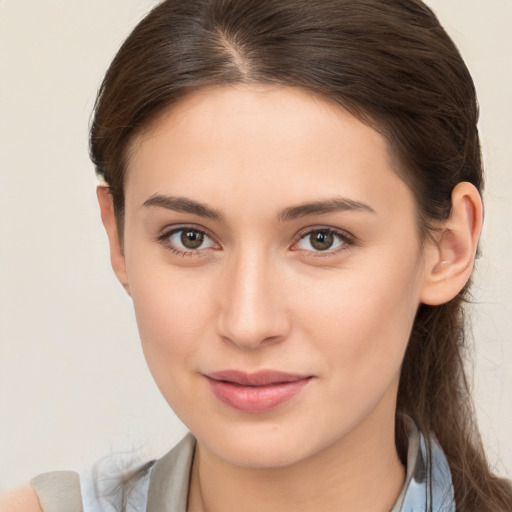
x,y
256,392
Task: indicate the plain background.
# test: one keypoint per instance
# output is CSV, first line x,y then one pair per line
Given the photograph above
x,y
73,383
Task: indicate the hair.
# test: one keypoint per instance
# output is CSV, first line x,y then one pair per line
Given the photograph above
x,y
391,64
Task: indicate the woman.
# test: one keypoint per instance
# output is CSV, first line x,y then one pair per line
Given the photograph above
x,y
292,200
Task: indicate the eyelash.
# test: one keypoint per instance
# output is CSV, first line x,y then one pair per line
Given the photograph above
x,y
164,240
344,237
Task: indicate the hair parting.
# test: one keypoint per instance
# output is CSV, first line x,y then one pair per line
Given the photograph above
x,y
391,64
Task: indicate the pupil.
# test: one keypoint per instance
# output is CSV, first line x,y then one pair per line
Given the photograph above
x,y
191,239
322,240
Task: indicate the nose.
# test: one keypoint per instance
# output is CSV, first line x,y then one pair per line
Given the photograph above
x,y
252,312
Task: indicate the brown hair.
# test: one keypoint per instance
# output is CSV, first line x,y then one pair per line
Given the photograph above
x,y
391,64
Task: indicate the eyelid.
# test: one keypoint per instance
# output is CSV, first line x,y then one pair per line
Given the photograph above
x,y
168,231
345,236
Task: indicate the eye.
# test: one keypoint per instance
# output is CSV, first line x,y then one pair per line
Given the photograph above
x,y
321,240
186,240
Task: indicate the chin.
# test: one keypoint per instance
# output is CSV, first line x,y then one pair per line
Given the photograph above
x,y
260,455
260,446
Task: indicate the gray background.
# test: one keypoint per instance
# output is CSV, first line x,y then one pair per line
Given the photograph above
x,y
73,382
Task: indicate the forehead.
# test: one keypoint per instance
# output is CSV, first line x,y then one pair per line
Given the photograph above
x,y
235,144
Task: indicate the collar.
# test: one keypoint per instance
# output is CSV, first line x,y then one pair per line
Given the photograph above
x,y
427,488
428,483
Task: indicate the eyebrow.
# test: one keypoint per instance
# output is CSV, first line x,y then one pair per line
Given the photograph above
x,y
336,204
185,205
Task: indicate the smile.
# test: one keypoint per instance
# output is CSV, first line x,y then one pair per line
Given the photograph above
x,y
258,392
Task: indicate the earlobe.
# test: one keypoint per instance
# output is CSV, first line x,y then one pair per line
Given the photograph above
x,y
109,222
449,259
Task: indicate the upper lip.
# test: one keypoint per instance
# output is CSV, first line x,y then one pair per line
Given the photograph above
x,y
260,378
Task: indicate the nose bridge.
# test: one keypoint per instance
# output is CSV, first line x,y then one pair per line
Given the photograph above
x,y
250,314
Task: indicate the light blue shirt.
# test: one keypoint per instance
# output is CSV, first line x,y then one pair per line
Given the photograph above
x,y
164,487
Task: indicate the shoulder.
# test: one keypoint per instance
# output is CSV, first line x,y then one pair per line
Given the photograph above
x,y
107,487
22,499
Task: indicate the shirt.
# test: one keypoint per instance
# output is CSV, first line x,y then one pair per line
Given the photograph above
x,y
164,487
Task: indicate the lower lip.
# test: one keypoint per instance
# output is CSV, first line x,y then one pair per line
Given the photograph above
x,y
256,399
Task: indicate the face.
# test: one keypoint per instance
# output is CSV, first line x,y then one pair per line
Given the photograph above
x,y
273,259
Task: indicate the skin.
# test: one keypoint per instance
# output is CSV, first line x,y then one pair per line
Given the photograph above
x,y
22,499
257,294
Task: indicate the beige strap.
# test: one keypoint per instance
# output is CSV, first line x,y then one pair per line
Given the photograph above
x,y
58,491
169,479
413,449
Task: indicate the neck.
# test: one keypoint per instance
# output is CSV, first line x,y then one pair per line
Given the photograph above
x,y
361,471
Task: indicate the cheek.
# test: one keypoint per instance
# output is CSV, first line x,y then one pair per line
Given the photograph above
x,y
361,324
172,313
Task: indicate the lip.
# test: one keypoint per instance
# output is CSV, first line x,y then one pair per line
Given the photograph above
x,y
257,392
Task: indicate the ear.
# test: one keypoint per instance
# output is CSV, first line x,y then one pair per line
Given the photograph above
x,y
449,259
109,222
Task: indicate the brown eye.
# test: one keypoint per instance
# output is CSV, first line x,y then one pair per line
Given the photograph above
x,y
322,240
191,239
187,240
